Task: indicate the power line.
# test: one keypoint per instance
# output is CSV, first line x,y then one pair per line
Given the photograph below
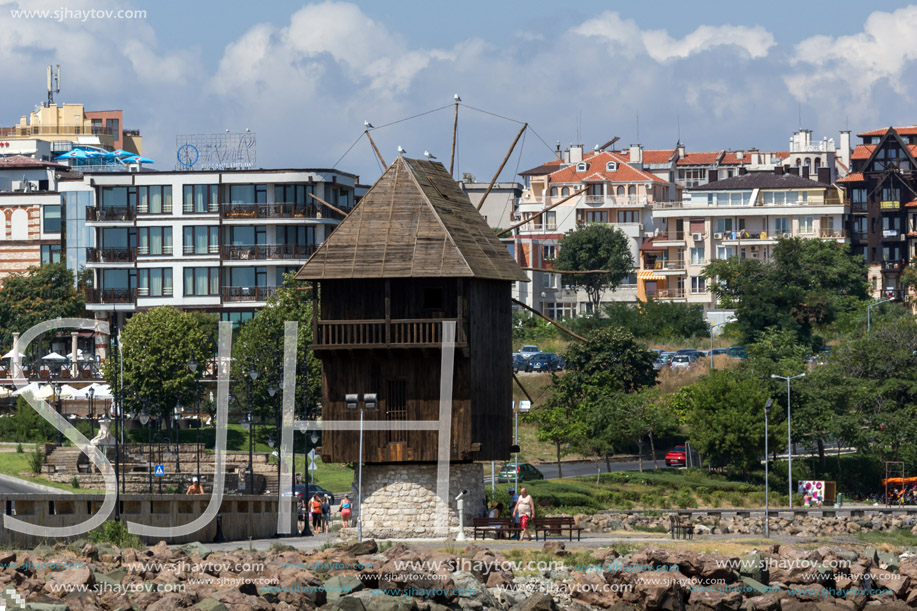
x,y
347,151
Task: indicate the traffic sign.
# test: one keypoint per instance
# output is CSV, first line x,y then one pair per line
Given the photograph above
x,y
159,470
312,465
525,406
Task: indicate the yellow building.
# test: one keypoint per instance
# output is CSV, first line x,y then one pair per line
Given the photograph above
x,y
73,123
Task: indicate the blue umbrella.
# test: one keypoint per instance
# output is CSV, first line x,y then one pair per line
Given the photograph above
x,y
138,159
74,154
119,153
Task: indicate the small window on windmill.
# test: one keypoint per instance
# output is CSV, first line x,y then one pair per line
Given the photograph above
x,y
433,298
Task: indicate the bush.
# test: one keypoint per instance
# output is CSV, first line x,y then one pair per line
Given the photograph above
x,y
25,424
75,482
19,449
37,459
116,533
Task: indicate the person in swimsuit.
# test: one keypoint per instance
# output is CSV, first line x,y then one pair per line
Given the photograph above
x,y
525,509
345,511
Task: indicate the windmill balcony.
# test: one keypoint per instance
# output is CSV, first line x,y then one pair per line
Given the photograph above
x,y
382,333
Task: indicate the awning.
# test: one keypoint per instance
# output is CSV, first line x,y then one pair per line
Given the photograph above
x,y
648,245
649,275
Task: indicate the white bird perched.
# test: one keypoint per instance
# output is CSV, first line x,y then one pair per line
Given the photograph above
x,y
367,125
457,98
401,150
429,155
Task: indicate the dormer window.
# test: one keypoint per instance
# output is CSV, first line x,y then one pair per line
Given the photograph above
x,y
611,166
582,166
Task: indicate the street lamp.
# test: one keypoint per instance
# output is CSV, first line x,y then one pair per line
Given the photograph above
x,y
789,441
91,393
57,405
144,418
369,403
870,307
767,413
253,375
176,416
272,390
192,366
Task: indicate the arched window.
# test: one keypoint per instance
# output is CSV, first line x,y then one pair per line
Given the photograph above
x,y
620,191
808,163
816,165
632,190
553,191
798,162
19,225
565,191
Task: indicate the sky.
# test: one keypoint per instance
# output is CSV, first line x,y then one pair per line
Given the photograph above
x,y
305,76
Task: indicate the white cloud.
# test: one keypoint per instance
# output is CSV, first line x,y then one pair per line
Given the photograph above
x,y
624,35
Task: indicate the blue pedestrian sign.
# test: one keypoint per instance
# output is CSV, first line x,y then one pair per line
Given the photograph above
x,y
159,470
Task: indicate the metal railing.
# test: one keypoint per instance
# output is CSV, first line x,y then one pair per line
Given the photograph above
x,y
890,205
247,293
267,251
861,236
859,207
62,130
832,233
668,265
375,332
145,208
670,293
143,251
670,235
108,213
111,255
893,266
114,296
189,208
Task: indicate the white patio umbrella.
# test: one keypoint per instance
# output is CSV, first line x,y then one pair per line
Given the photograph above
x,y
68,392
5,392
31,387
54,357
79,355
10,355
103,391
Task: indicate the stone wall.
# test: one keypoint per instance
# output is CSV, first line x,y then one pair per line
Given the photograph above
x,y
399,501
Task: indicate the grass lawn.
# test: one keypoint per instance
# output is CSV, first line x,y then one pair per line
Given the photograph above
x,y
898,539
17,465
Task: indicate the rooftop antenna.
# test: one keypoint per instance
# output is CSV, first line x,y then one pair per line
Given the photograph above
x,y
638,127
53,84
678,123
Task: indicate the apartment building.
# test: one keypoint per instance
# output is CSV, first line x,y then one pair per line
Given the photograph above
x,y
741,216
882,188
30,214
617,193
216,241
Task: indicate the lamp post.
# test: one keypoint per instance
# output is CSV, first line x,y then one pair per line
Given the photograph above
x,y
252,375
144,418
789,440
767,413
870,307
369,403
57,405
192,366
175,418
91,393
272,390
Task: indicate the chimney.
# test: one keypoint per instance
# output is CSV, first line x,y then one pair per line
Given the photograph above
x,y
824,175
740,155
636,154
681,150
713,176
843,152
743,171
557,152
778,170
576,153
805,171
793,171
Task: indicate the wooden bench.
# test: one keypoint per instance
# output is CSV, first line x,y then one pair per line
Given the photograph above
x,y
494,526
680,528
556,524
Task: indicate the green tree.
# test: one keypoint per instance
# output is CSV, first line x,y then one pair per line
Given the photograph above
x,y
614,351
777,351
645,414
726,419
806,285
156,347
591,247
40,294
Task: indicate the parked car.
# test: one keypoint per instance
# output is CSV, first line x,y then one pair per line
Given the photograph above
x,y
660,362
681,361
666,358
518,363
544,361
300,490
694,354
529,351
677,457
719,351
657,350
525,470
737,352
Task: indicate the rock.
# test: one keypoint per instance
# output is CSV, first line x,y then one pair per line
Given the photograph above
x,y
591,589
348,603
701,529
886,579
469,587
660,589
70,580
714,599
752,566
160,551
361,549
210,604
889,561
539,601
195,548
90,551
341,585
752,586
46,607
384,602
556,547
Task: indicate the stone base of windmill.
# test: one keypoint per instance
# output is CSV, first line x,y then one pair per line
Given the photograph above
x,y
399,501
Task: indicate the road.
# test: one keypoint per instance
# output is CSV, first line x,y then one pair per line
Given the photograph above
x,y
588,468
13,488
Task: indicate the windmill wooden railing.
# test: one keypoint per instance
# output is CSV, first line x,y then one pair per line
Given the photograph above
x,y
382,333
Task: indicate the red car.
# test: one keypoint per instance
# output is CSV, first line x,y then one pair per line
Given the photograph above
x,y
677,457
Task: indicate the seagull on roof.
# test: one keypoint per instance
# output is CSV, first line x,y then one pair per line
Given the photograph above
x,y
429,155
457,98
401,150
368,125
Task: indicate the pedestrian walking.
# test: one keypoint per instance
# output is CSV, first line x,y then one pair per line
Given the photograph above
x,y
326,514
525,509
315,508
345,511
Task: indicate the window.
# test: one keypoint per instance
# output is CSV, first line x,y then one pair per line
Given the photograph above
x,y
154,240
396,410
550,220
113,126
201,240
723,225
696,256
891,194
154,199
781,225
611,166
200,198
692,177
725,252
595,216
858,196
293,194
154,282
52,219
565,192
628,216
247,194
806,224
553,191
113,197
548,252
202,281
50,253
559,311
548,281
620,191
582,167
236,318
698,285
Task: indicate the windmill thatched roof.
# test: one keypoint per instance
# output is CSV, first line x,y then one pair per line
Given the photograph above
x,y
414,222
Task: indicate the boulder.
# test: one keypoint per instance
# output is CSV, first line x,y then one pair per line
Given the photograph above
x,y
752,566
69,580
714,599
556,547
195,548
348,603
384,602
469,587
340,586
361,548
210,604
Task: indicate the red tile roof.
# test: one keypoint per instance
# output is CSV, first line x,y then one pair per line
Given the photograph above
x,y
855,177
908,130
21,161
863,151
911,204
732,158
658,156
595,171
700,158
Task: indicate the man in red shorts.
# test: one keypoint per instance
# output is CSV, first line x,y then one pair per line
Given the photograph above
x,y
525,509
